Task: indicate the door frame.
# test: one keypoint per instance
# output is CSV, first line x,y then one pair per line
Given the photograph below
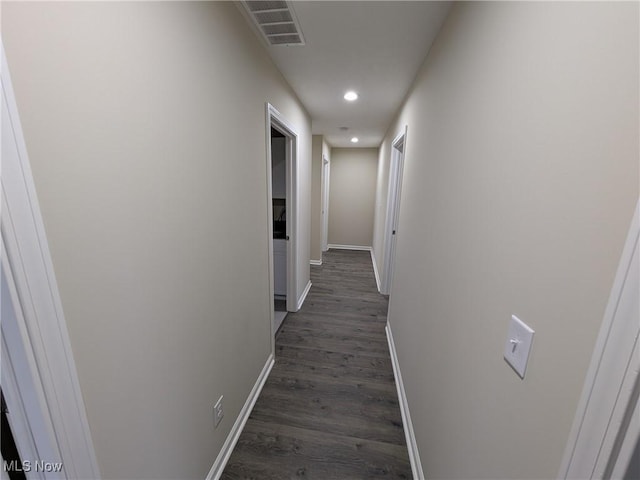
x,y
28,417
326,175
394,193
606,426
274,119
39,328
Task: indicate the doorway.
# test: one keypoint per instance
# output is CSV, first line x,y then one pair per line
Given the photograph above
x,y
279,203
282,198
393,207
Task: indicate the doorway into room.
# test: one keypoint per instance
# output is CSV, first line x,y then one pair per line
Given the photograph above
x,y
281,159
280,237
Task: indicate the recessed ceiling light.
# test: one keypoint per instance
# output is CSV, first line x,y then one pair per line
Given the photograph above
x,y
354,140
351,96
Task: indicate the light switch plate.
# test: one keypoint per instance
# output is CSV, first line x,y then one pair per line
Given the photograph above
x,y
218,412
518,345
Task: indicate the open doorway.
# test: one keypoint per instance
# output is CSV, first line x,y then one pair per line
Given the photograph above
x,y
279,204
393,207
281,168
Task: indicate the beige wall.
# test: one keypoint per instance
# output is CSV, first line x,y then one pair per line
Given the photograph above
x,y
521,177
145,126
352,195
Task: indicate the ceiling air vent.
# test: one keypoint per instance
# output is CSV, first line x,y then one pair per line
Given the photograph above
x,y
276,21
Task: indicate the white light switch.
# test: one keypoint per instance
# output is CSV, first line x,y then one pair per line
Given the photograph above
x,y
518,345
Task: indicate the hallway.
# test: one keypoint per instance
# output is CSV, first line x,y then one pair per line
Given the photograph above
x,y
498,140
329,408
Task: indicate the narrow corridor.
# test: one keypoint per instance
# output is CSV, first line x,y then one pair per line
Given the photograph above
x,y
329,409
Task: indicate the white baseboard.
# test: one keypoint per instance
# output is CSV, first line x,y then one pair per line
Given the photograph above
x,y
317,263
375,270
349,247
303,297
412,446
236,430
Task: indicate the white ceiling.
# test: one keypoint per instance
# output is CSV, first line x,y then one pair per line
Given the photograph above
x,y
372,47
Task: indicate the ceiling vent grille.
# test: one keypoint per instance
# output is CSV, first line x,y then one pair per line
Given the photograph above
x,y
276,21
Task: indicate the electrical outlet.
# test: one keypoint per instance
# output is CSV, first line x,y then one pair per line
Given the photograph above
x,y
218,412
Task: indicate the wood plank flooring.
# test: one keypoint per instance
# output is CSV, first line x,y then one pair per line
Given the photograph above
x,y
329,409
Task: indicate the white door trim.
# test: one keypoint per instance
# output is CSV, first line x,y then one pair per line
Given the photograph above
x,y
605,429
28,417
45,338
396,167
275,119
326,174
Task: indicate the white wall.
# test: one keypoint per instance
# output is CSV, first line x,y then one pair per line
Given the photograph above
x,y
352,195
521,176
145,126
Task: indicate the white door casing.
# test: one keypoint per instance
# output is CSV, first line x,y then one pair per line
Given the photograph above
x,y
396,167
38,329
326,172
29,422
275,119
606,425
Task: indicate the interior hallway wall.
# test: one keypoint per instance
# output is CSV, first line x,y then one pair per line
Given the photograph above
x,y
521,177
145,127
352,196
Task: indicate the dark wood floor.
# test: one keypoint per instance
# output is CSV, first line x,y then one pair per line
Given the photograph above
x,y
329,409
